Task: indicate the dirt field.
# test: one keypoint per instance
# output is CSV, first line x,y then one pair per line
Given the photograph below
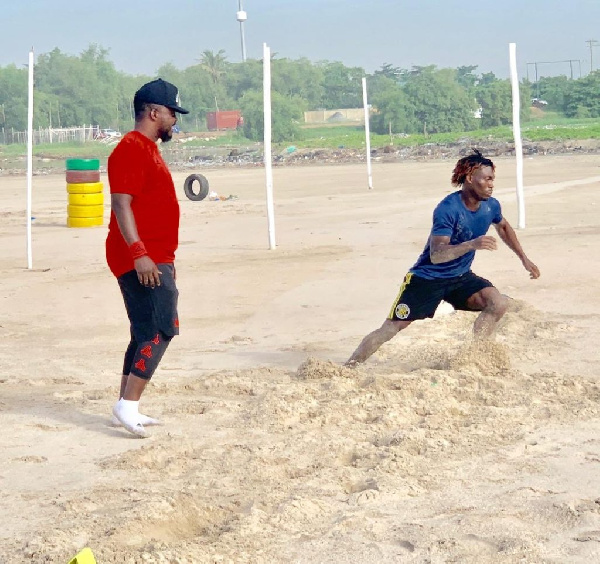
x,y
432,452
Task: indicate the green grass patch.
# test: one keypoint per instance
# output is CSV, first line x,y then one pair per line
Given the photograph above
x,y
353,137
59,150
561,132
536,130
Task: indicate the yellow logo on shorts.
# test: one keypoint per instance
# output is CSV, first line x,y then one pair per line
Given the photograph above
x,y
402,311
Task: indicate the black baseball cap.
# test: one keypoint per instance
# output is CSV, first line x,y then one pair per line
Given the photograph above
x,y
159,92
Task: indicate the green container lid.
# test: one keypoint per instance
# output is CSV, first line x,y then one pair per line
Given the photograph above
x,y
83,164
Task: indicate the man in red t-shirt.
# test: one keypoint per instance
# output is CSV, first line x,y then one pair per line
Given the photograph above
x,y
141,244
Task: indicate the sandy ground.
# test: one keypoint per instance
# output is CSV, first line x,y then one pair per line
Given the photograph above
x,y
431,452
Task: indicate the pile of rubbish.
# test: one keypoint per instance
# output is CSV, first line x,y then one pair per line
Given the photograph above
x,y
214,197
181,157
292,156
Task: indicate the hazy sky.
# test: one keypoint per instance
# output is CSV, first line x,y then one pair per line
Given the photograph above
x,y
142,35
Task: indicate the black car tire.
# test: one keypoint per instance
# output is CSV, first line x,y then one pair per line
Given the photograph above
x,y
188,187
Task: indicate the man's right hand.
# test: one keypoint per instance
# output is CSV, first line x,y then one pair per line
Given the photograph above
x,y
485,243
147,271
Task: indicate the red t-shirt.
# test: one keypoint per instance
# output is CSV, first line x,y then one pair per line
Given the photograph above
x,y
136,167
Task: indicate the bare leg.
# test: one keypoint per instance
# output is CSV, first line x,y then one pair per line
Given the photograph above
x,y
493,306
374,340
123,384
134,388
128,362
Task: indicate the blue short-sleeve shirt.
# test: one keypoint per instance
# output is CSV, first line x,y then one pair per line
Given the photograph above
x,y
451,218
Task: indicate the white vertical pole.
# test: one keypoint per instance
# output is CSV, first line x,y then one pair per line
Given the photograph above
x,y
29,160
267,142
367,134
516,101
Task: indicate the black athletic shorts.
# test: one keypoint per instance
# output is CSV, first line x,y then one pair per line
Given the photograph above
x,y
419,297
151,310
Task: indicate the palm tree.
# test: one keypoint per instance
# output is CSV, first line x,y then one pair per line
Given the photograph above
x,y
214,63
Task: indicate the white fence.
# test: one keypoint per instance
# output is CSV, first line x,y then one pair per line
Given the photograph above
x,y
52,135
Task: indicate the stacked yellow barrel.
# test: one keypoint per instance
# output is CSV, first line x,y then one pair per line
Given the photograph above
x,y
86,196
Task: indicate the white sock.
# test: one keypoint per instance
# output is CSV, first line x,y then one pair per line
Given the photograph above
x,y
141,418
129,408
126,412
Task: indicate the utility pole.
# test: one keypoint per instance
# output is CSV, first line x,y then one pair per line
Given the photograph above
x,y
570,61
592,43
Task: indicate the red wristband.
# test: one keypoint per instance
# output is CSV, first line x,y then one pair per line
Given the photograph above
x,y
137,250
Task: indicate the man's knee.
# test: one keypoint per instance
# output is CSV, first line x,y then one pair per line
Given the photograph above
x,y
494,302
148,356
391,327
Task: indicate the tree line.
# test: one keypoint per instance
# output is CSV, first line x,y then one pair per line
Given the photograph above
x,y
88,89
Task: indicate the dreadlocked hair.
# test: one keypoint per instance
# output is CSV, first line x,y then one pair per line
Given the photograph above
x,y
467,165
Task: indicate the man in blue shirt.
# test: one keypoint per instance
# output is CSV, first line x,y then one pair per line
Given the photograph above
x,y
443,271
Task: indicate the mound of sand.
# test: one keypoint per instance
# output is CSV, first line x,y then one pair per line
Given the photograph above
x,y
438,449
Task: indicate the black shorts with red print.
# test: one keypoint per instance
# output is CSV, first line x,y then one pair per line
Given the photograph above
x,y
153,319
151,310
418,297
142,359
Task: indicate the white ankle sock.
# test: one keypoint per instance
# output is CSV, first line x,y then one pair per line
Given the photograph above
x,y
129,408
127,413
